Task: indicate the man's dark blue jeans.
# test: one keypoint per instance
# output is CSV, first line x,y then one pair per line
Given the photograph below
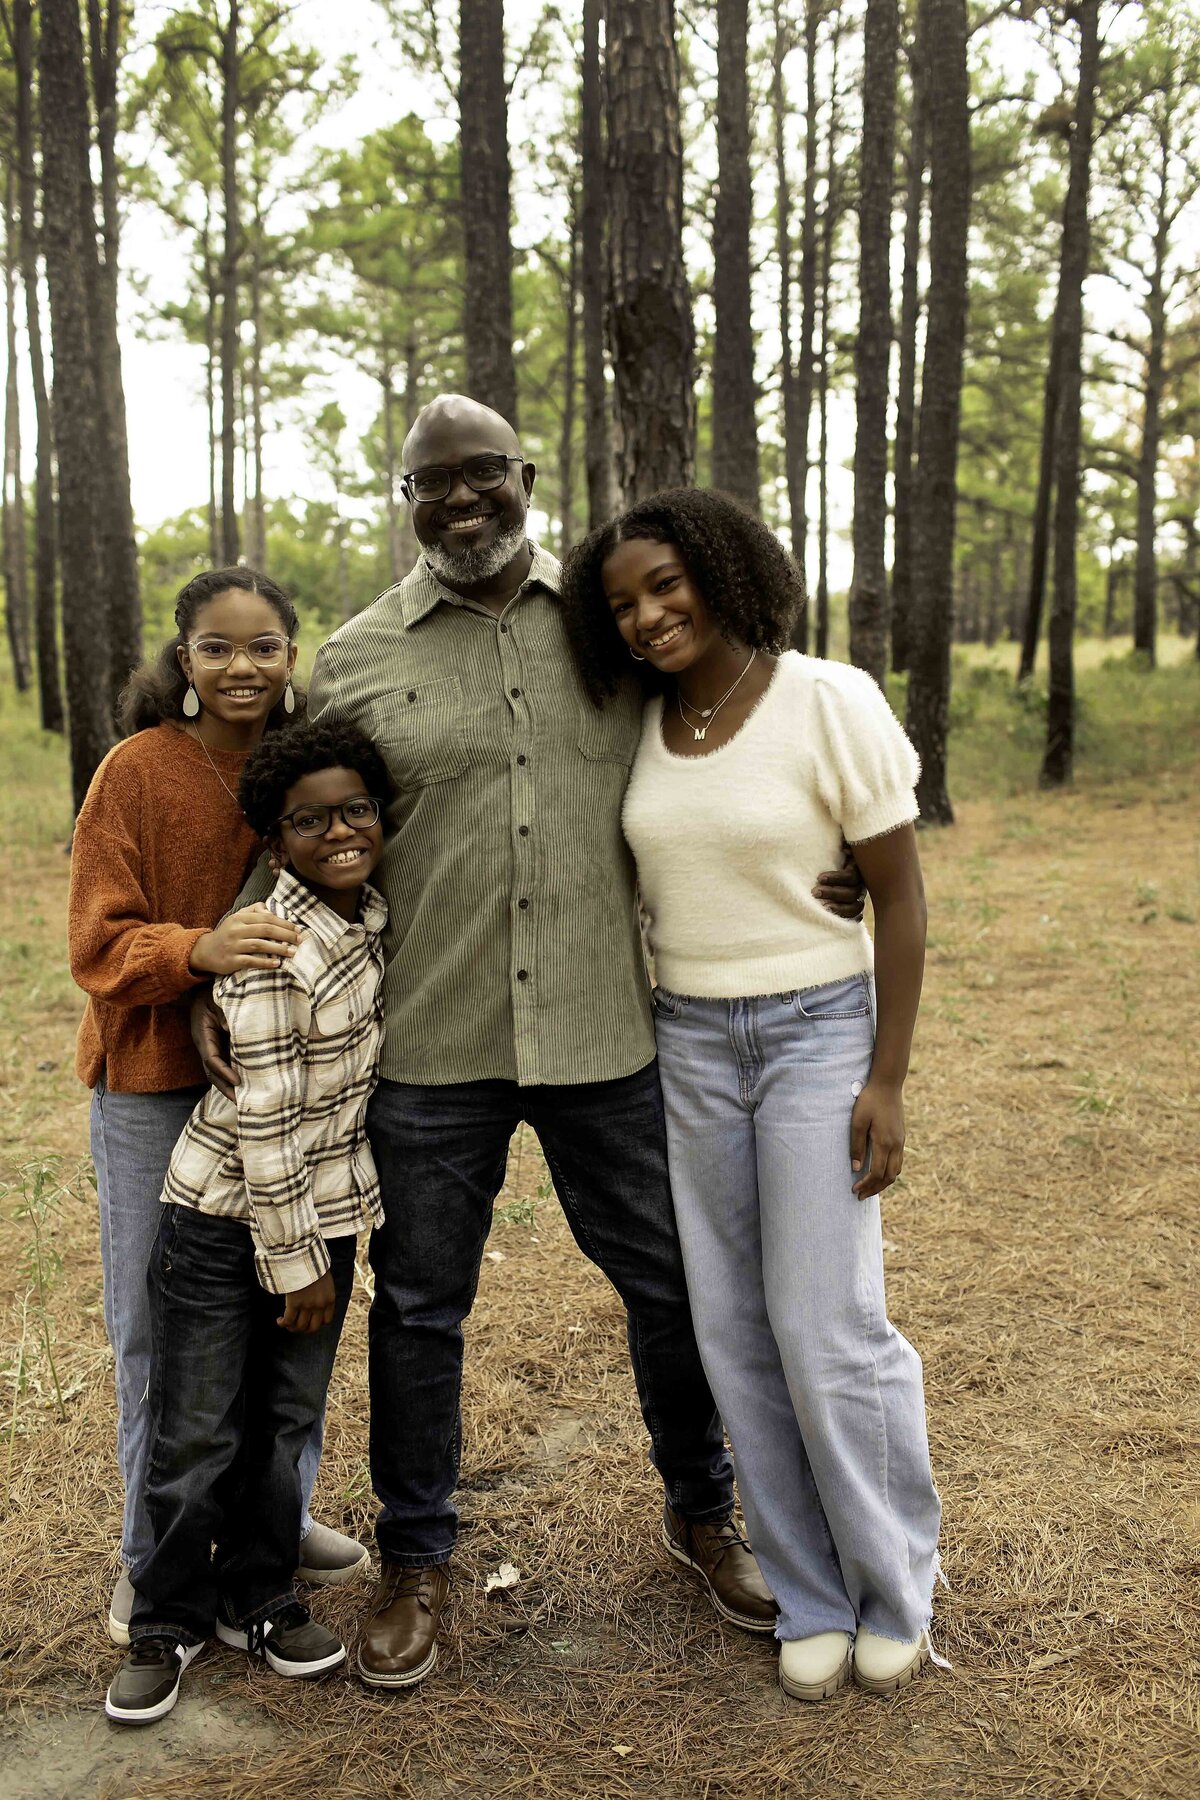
x,y
441,1154
233,1399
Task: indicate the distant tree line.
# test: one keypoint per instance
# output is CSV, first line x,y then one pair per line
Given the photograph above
x,y
676,277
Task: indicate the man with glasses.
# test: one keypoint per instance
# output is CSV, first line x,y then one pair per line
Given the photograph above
x,y
515,989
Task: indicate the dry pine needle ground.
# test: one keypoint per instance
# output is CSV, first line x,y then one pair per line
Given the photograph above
x,y
1042,1254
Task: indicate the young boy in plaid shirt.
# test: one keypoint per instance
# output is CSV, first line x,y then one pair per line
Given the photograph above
x,y
253,1265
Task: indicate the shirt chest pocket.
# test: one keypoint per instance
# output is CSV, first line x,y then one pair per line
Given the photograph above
x,y
329,1040
421,730
611,734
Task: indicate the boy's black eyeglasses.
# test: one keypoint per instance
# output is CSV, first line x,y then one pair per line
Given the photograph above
x,y
481,474
314,821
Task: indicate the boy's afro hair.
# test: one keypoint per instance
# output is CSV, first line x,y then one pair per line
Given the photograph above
x,y
284,757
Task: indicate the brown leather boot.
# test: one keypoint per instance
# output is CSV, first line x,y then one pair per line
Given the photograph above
x,y
725,1563
399,1642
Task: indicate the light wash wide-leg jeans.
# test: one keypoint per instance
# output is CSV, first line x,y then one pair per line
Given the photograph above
x,y
132,1137
822,1397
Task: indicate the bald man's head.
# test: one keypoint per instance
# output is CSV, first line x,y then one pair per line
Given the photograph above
x,y
469,509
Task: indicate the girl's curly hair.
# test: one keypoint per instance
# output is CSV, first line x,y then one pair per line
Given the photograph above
x,y
750,584
155,691
285,757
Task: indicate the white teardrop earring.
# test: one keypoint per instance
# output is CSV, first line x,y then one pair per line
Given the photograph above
x,y
289,700
191,703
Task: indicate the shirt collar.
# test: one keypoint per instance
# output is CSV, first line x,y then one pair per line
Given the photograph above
x,y
421,591
300,904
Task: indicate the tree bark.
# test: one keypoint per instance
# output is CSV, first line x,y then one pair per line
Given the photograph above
x,y
869,592
597,433
903,469
566,443
829,219
734,414
486,204
1058,760
12,514
391,504
795,458
256,505
230,266
1145,574
211,331
808,273
1040,536
932,612
65,133
651,313
118,542
45,555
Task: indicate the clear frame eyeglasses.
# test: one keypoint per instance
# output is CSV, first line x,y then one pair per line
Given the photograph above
x,y
265,652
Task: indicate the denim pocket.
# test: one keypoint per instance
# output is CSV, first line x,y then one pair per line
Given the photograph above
x,y
849,999
665,1004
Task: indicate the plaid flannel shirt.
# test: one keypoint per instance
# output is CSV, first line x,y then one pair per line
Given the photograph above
x,y
290,1154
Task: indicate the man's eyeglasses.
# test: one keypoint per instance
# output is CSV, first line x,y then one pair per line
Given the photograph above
x,y
217,652
481,474
314,821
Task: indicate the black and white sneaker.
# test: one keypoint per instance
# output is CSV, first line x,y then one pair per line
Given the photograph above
x,y
146,1686
291,1642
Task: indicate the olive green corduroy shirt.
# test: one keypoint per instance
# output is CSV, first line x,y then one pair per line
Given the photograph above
x,y
512,946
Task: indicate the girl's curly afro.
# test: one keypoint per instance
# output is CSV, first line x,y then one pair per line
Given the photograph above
x,y
750,584
285,757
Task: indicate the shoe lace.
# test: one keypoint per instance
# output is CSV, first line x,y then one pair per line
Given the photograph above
x,y
723,1535
292,1617
407,1584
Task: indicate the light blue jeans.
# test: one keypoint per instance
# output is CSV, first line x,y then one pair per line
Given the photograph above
x,y
822,1397
132,1137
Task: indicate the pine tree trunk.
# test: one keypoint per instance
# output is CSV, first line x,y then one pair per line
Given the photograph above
x,y
829,219
566,442
932,612
486,204
1145,576
794,453
211,320
118,542
256,505
12,513
45,556
651,313
903,469
1039,546
868,593
64,111
734,420
409,548
230,263
808,273
391,504
1058,760
597,433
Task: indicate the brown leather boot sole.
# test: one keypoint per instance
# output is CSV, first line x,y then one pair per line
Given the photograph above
x,y
744,1623
408,1679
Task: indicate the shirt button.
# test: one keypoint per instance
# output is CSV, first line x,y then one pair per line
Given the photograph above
x,y
522,974
524,830
522,904
412,693
504,627
515,692
521,761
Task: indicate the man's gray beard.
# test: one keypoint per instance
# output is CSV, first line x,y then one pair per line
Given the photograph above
x,y
475,563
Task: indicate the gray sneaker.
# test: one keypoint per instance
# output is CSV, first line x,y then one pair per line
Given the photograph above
x,y
291,1642
328,1558
120,1610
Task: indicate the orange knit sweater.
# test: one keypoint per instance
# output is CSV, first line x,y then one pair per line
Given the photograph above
x,y
159,855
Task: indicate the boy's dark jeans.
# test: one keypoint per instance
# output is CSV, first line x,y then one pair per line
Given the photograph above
x,y
441,1154
232,1400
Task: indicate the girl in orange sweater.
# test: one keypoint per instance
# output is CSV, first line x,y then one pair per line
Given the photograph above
x,y
160,852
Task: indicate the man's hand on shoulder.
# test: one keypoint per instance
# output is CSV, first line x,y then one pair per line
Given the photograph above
x,y
843,891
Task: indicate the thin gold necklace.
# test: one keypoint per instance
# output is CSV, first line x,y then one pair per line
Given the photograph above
x,y
709,713
212,765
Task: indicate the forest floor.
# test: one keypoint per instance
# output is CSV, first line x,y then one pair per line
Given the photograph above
x,y
1042,1253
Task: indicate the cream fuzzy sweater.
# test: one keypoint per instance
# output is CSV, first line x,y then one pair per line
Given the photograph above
x,y
729,845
